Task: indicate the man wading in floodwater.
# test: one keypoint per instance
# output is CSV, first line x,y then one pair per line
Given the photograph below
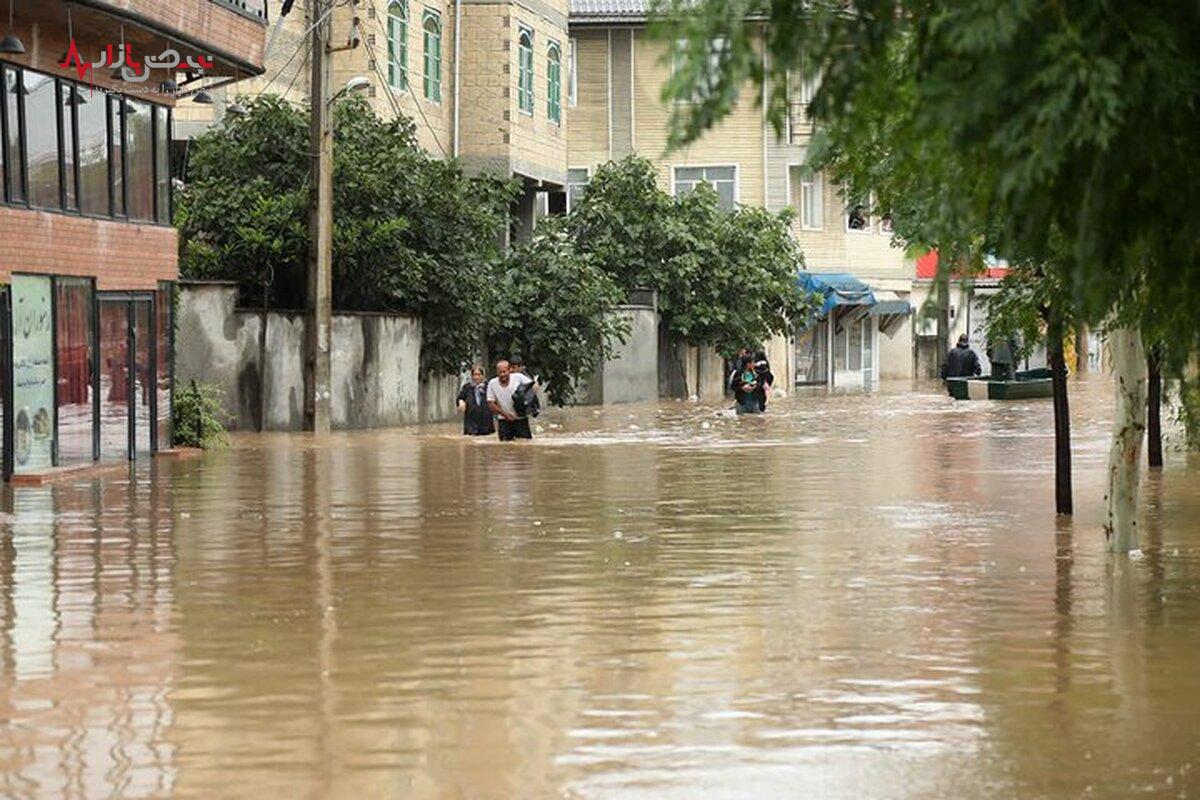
x,y
500,390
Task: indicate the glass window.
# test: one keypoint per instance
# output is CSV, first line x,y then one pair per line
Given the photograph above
x,y
144,378
554,83
858,213
66,98
93,151
722,179
812,202
854,357
73,326
162,164
164,307
114,379
718,49
41,140
32,373
577,181
572,72
117,159
525,71
397,40
14,183
139,152
433,56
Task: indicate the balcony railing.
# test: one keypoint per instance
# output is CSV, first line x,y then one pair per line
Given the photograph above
x,y
255,9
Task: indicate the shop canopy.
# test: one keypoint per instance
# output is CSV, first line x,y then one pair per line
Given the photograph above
x,y
837,289
891,310
842,291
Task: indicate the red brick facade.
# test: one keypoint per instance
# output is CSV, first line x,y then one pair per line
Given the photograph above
x,y
122,255
203,21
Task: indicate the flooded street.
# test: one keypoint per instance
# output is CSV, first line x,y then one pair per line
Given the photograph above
x,y
852,596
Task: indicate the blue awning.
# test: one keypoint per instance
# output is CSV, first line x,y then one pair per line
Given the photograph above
x,y
838,289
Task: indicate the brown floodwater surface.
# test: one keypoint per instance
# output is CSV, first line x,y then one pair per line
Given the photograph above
x,y
853,596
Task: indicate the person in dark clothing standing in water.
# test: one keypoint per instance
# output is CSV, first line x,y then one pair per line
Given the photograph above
x,y
473,405
746,387
766,378
961,361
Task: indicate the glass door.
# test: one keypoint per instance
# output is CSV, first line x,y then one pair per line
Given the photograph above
x,y
116,389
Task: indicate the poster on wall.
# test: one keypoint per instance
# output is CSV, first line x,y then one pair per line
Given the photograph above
x,y
33,373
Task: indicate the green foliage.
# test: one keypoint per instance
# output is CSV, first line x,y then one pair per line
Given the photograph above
x,y
999,122
198,416
557,311
1188,413
411,233
724,279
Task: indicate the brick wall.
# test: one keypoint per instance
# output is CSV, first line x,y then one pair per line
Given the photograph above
x,y
206,22
120,255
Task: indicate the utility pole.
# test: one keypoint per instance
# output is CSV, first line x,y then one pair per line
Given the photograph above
x,y
318,331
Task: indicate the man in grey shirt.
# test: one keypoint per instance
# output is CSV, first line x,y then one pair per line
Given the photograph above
x,y
500,390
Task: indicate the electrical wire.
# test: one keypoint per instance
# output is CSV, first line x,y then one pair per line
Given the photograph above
x,y
303,45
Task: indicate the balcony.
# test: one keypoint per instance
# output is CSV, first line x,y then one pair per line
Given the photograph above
x,y
255,9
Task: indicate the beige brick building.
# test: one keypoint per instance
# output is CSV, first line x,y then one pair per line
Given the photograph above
x,y
483,81
617,109
547,90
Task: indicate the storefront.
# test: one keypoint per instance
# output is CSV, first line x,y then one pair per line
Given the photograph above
x,y
85,273
87,374
839,345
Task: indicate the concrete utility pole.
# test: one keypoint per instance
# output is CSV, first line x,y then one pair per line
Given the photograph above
x,y
318,331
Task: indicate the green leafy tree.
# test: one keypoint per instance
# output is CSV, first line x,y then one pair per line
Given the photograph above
x,y
724,279
560,311
412,234
1073,116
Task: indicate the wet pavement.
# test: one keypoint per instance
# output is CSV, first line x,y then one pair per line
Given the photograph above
x,y
851,596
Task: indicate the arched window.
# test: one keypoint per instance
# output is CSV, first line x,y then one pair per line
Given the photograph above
x,y
554,83
525,71
433,56
397,41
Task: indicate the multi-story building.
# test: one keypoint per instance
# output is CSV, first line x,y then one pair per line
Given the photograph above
x,y
616,108
88,90
483,81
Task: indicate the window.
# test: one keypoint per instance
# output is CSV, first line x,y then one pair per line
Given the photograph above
x,y
577,181
525,71
433,56
139,152
66,146
554,83
706,87
811,202
858,213
722,179
14,164
116,160
41,140
93,152
162,164
66,98
572,72
397,42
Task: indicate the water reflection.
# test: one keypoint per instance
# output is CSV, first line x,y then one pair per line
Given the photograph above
x,y
853,596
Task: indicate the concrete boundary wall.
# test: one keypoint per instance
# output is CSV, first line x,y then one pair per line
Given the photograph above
x,y
257,360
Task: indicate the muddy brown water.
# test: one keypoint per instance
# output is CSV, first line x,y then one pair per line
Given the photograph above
x,y
858,596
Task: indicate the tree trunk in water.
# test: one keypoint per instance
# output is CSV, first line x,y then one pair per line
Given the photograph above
x,y
1154,407
1062,419
1124,457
